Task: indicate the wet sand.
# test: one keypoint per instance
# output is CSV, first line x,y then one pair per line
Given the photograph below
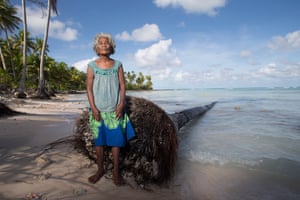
x,y
29,167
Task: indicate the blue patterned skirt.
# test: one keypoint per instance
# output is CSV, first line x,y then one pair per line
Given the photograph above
x,y
111,131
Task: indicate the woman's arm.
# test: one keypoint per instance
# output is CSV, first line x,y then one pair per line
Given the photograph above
x,y
90,94
119,111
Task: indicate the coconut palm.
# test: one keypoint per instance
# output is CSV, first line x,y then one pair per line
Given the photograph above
x,y
18,42
8,23
21,93
42,88
38,46
148,83
17,45
2,59
33,62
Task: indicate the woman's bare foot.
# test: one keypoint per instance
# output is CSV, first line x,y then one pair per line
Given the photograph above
x,y
118,180
96,177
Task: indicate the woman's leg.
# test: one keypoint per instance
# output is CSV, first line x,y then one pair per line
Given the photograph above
x,y
99,161
118,180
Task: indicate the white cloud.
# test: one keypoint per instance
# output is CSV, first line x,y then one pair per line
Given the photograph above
x,y
187,76
161,74
288,42
82,64
225,77
275,71
179,76
158,55
269,70
149,32
60,31
199,76
36,19
194,6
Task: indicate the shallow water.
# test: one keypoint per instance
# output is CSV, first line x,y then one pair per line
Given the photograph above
x,y
246,147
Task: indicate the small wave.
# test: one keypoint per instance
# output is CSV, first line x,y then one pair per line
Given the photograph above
x,y
215,159
280,166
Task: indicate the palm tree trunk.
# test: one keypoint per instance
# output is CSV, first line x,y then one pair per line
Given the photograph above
x,y
20,93
2,59
11,56
184,116
42,89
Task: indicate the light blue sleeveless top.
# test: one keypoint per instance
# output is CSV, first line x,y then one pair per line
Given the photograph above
x,y
106,86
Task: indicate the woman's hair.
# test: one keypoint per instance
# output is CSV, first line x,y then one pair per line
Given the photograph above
x,y
110,40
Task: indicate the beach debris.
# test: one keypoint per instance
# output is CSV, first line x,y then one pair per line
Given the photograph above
x,y
35,196
151,156
23,181
42,160
80,191
43,176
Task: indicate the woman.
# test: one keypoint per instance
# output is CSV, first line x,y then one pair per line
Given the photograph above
x,y
106,96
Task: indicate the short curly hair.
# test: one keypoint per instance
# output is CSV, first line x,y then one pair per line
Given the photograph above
x,y
110,40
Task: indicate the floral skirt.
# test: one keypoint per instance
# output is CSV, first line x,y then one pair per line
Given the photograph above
x,y
111,131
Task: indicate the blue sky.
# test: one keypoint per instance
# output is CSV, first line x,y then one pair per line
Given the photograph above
x,y
183,43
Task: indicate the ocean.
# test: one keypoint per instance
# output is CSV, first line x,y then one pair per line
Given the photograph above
x,y
246,147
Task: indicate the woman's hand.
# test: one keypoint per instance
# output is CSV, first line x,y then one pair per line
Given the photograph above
x,y
96,114
119,111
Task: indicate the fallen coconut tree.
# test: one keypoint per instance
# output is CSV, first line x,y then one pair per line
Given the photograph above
x,y
151,156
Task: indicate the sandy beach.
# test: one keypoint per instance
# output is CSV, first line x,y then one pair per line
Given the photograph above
x,y
30,168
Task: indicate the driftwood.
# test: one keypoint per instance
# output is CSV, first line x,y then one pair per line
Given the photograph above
x,y
6,111
151,156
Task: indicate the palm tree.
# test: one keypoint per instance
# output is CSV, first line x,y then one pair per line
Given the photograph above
x,y
38,46
2,59
148,83
42,89
33,61
20,93
140,80
8,23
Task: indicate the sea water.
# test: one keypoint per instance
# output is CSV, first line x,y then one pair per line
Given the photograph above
x,y
246,147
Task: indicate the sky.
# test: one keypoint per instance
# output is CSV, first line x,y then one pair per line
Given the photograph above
x,y
182,44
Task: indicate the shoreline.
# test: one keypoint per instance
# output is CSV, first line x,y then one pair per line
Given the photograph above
x,y
30,168
60,172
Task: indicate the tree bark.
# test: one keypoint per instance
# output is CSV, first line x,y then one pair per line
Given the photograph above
x,y
2,59
42,93
11,56
20,93
183,117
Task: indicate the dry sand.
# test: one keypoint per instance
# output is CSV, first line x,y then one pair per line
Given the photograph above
x,y
30,168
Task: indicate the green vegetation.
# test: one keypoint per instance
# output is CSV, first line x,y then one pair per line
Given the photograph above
x,y
58,75
134,82
26,65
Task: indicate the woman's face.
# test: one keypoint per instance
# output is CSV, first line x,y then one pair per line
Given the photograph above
x,y
104,47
